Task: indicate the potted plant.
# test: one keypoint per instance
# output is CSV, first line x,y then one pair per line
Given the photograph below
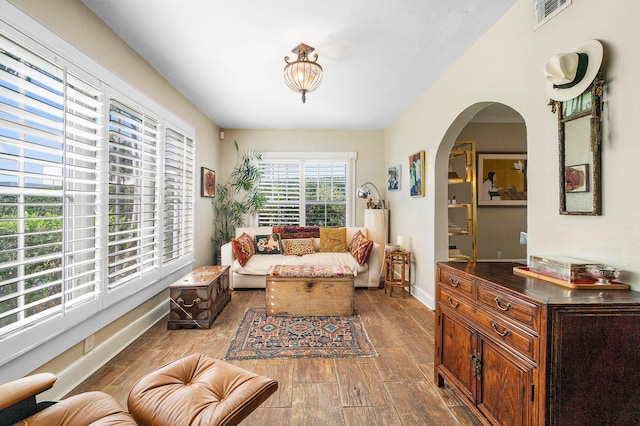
x,y
237,198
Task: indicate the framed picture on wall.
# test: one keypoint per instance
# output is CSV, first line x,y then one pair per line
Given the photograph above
x,y
416,174
502,179
394,178
207,182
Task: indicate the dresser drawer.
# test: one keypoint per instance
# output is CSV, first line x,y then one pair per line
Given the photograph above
x,y
513,337
509,306
453,301
456,282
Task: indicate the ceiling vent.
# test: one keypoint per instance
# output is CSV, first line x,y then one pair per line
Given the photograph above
x,y
544,10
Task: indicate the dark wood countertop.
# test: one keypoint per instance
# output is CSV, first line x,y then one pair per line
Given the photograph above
x,y
545,292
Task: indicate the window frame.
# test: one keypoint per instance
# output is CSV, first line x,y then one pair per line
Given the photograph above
x,y
302,158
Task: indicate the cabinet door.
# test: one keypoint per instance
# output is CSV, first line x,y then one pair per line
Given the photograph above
x,y
505,391
456,346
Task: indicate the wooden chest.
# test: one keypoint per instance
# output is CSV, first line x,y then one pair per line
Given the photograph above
x,y
310,295
198,297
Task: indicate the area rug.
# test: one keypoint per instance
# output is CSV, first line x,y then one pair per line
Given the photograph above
x,y
263,337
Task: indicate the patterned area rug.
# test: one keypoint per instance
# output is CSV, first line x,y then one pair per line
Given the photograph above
x,y
262,337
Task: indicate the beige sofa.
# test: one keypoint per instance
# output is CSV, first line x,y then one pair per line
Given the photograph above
x,y
253,274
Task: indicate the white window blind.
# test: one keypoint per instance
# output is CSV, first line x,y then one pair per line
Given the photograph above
x,y
178,195
281,183
49,204
306,191
325,194
133,193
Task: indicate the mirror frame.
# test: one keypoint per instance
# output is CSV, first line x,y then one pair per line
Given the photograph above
x,y
593,145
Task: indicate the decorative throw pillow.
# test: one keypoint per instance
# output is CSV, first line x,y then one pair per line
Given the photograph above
x,y
243,248
333,240
298,247
268,244
296,232
360,248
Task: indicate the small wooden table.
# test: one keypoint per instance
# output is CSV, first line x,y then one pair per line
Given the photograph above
x,y
198,297
309,290
399,261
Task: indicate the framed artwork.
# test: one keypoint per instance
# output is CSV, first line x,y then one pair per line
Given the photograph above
x,y
394,178
576,178
207,182
416,174
502,179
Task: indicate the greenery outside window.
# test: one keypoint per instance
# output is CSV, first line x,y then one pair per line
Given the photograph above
x,y
307,189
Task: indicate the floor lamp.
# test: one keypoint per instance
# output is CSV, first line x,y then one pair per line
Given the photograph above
x,y
375,217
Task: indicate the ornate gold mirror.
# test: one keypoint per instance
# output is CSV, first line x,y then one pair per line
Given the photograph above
x,y
579,136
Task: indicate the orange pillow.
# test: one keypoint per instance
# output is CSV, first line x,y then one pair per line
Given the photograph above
x,y
243,248
360,248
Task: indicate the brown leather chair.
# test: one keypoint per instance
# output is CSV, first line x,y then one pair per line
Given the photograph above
x,y
195,390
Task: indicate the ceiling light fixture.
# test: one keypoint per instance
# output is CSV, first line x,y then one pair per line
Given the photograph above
x,y
303,75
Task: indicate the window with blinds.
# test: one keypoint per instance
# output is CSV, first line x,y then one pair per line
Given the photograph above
x,y
178,195
133,193
305,192
84,174
49,188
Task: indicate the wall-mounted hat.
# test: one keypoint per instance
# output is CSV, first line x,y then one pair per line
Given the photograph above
x,y
570,74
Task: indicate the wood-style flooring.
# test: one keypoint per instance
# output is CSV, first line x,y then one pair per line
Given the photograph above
x,y
395,388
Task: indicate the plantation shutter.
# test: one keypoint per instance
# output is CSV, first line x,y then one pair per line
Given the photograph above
x,y
178,195
133,189
325,194
45,265
281,186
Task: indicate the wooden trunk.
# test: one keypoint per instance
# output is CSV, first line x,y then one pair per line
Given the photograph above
x,y
309,296
197,298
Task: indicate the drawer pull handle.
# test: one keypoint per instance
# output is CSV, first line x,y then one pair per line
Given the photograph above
x,y
454,283
506,331
453,305
506,308
195,301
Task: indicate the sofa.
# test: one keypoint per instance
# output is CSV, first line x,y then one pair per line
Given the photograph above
x,y
254,271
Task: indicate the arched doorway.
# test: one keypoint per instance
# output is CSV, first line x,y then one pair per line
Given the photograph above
x,y
495,130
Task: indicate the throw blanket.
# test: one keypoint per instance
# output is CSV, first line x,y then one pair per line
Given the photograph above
x,y
309,271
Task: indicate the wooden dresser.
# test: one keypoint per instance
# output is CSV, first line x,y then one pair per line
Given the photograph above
x,y
522,351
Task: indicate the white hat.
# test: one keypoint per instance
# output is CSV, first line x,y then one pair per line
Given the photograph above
x,y
570,74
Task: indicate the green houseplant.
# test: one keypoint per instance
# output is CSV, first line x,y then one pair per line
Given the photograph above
x,y
237,198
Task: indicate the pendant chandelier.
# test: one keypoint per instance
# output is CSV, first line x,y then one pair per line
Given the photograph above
x,y
303,75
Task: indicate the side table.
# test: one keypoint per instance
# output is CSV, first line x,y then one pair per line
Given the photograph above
x,y
198,297
397,261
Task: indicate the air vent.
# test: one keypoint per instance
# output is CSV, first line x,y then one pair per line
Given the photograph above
x,y
544,10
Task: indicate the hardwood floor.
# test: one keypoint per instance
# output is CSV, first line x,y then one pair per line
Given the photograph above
x,y
396,388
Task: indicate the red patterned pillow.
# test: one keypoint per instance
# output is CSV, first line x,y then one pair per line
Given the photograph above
x,y
296,232
360,248
243,248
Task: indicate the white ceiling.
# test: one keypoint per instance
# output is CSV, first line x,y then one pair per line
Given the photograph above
x,y
227,56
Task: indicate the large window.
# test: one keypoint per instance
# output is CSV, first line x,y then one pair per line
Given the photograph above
x,y
96,193
306,189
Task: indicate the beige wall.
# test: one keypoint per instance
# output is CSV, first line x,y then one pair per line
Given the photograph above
x,y
77,25
505,66
368,144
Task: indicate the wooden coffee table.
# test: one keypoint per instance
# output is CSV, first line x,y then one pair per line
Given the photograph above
x,y
309,290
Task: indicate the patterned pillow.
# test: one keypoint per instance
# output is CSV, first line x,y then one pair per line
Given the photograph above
x,y
298,246
333,240
243,248
296,232
268,244
360,248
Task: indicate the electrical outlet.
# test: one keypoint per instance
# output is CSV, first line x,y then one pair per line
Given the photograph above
x,y
499,254
88,344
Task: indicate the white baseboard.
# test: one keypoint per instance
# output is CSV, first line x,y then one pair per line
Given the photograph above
x,y
79,371
423,297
